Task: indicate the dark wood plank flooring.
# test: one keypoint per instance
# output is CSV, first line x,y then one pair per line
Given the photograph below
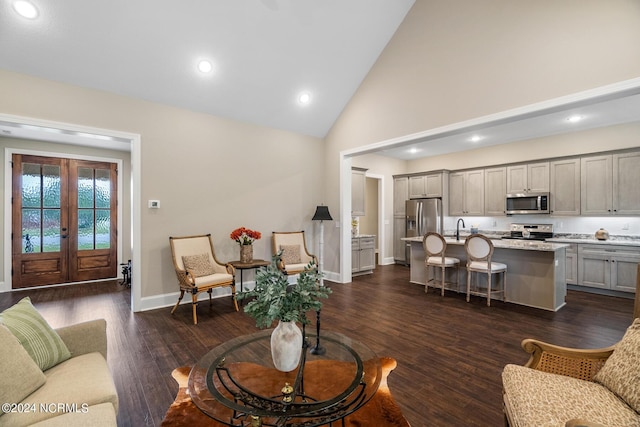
x,y
450,353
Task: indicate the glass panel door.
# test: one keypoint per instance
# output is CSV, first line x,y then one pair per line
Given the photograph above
x,y
39,221
64,220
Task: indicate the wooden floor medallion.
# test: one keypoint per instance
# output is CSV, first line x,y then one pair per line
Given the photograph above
x,y
380,411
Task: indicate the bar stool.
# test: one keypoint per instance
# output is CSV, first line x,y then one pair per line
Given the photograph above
x,y
479,251
434,247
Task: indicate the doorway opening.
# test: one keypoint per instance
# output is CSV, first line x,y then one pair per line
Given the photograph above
x,y
64,220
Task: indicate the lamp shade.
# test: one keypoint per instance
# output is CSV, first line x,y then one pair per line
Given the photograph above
x,y
322,214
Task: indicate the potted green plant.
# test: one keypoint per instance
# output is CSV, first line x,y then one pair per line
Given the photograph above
x,y
274,299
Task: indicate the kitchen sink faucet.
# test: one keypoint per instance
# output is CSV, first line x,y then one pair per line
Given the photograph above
x,y
458,228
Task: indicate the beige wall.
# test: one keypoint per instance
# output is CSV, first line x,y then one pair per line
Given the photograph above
x,y
210,174
369,222
455,60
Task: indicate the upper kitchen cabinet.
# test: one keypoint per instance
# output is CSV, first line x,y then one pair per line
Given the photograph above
x,y
466,193
626,178
358,191
609,184
400,195
528,178
428,185
495,191
565,187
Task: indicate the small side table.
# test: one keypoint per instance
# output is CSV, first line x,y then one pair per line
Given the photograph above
x,y
256,263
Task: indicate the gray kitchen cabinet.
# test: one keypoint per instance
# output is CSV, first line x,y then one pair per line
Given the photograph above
x,y
495,190
608,267
528,178
399,246
609,184
565,186
400,195
596,176
363,254
466,193
358,191
429,185
626,178
571,268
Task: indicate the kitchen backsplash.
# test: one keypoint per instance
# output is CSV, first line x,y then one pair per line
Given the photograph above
x,y
584,227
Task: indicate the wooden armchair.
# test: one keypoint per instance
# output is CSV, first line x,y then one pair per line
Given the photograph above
x,y
295,256
581,364
199,270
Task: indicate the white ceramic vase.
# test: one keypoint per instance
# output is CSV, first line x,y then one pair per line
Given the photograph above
x,y
286,345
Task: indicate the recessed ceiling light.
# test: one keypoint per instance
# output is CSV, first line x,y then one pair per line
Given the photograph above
x,y
574,119
304,98
475,138
205,66
25,9
414,150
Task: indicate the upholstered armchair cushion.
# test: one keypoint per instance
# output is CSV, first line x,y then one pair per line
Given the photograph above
x,y
199,264
43,344
19,374
621,371
536,398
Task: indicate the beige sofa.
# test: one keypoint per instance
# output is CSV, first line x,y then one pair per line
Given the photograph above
x,y
567,387
76,392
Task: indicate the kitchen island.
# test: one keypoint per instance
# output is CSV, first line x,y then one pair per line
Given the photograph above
x,y
535,270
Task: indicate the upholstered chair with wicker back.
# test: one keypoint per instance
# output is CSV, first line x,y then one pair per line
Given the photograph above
x,y
574,387
295,256
199,270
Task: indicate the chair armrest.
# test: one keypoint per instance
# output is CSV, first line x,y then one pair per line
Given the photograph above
x,y
573,362
86,337
186,279
230,269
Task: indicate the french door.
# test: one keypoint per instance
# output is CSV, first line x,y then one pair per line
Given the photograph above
x,y
64,217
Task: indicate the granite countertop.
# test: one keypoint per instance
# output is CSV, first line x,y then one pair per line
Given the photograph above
x,y
527,245
622,241
362,235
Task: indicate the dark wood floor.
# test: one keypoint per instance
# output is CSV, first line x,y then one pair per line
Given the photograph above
x,y
450,353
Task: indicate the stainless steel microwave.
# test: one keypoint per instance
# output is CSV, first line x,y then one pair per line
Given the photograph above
x,y
527,203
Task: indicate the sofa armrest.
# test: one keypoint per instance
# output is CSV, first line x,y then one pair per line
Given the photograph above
x,y
573,362
576,422
86,337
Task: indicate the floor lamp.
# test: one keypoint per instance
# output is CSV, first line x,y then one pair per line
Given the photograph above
x,y
322,214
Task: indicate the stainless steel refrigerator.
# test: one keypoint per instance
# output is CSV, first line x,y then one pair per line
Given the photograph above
x,y
423,216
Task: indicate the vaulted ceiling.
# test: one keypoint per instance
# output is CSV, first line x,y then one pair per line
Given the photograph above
x,y
264,53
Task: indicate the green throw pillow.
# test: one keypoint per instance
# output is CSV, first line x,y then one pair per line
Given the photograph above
x,y
43,344
19,374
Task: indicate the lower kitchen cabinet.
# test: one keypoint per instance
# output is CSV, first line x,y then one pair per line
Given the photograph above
x,y
571,270
363,254
399,245
608,267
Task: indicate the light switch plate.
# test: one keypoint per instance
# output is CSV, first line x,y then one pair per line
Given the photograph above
x,y
154,204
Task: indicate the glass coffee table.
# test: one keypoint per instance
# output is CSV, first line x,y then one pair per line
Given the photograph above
x,y
236,383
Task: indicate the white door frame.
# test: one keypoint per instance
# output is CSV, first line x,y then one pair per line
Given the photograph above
x,y
68,133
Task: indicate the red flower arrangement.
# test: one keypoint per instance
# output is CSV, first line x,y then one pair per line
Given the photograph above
x,y
244,236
